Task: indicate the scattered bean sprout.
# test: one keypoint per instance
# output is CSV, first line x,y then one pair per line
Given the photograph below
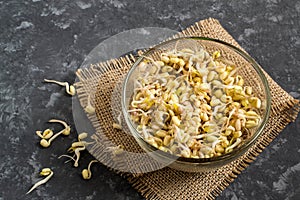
x,y
116,150
86,173
76,148
67,128
89,108
70,89
48,133
45,172
48,137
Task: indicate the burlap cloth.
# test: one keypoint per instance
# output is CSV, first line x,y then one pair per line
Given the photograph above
x,y
99,81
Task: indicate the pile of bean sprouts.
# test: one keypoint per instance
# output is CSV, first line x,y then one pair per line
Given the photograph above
x,y
193,104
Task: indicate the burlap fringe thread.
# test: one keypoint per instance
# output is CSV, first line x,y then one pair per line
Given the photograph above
x,y
284,109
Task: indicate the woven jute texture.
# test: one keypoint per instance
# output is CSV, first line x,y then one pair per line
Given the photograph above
x,y
99,81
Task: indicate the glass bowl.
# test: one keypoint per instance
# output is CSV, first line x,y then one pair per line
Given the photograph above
x,y
246,67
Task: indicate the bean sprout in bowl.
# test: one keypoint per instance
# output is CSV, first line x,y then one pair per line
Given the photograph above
x,y
199,101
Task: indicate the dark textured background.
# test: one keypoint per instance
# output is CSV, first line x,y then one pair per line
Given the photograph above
x,y
50,39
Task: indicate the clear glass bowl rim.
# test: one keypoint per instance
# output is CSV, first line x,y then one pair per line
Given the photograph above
x,y
229,156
